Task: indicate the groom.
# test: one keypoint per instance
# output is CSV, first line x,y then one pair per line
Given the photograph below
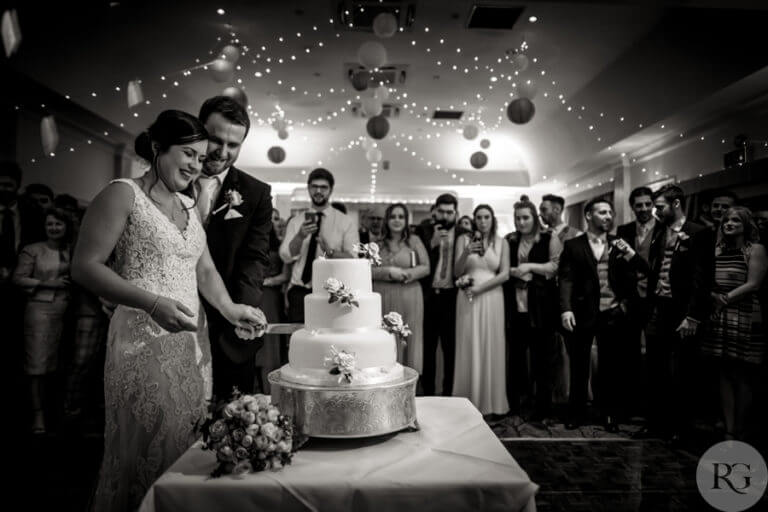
x,y
236,210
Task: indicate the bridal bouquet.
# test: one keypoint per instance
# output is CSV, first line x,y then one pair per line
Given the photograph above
x,y
339,292
465,282
393,322
248,434
368,251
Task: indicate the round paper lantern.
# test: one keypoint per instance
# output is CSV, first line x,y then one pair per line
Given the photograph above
x,y
381,92
373,155
478,159
372,55
276,154
283,134
377,127
527,89
360,80
521,110
485,143
368,144
385,25
520,61
221,70
371,106
236,94
231,53
470,131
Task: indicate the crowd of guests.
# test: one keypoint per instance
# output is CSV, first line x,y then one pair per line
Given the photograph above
x,y
666,302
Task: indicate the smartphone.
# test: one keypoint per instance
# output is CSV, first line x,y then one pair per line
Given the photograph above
x,y
310,217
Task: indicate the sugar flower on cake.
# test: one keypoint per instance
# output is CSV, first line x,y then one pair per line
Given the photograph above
x,y
338,292
368,251
342,363
393,322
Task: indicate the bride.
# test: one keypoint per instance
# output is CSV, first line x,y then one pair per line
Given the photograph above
x,y
157,374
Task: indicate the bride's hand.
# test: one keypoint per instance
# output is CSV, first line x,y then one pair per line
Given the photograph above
x,y
249,322
173,316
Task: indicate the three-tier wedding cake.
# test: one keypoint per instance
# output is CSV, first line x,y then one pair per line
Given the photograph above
x,y
351,328
342,378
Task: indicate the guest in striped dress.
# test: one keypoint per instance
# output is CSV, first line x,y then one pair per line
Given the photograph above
x,y
735,335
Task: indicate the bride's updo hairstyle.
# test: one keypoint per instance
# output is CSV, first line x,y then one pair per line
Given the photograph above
x,y
171,128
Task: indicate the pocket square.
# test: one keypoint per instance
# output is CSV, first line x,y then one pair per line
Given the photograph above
x,y
232,214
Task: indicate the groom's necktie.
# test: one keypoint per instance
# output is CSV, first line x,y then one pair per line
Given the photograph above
x,y
444,257
208,187
306,274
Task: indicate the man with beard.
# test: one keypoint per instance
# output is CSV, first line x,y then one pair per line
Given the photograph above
x,y
551,213
440,294
721,201
679,283
597,279
321,230
236,210
639,234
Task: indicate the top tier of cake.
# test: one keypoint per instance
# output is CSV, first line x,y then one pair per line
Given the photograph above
x,y
354,273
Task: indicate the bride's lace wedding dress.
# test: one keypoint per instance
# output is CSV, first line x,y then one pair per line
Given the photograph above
x,y
155,383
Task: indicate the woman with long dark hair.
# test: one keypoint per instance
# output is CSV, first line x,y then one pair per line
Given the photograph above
x,y
480,371
157,374
531,309
736,335
404,261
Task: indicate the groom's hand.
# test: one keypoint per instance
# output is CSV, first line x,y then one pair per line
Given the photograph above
x,y
568,320
173,316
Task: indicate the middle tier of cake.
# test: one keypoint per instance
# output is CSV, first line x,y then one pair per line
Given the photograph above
x,y
320,314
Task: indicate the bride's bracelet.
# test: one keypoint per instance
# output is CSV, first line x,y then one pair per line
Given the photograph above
x,y
154,306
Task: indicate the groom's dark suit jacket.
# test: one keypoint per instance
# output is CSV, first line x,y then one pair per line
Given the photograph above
x,y
580,284
239,249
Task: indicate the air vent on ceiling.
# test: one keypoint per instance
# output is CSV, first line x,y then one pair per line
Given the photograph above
x,y
493,16
388,110
447,114
394,74
358,15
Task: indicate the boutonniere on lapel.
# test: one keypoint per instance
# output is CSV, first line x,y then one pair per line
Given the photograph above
x,y
232,199
682,236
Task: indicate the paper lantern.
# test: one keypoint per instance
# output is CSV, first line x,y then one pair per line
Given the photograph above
x,y
485,143
371,106
368,144
11,32
478,159
527,89
49,135
377,127
372,55
381,92
135,94
521,110
470,131
283,134
231,53
520,61
385,25
279,124
236,94
373,155
276,154
360,80
221,70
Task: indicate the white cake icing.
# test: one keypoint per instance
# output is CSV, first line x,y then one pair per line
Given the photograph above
x,y
356,330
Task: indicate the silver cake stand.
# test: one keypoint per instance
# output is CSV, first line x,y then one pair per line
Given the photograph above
x,y
348,411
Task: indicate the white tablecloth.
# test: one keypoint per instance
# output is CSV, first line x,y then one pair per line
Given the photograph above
x,y
453,463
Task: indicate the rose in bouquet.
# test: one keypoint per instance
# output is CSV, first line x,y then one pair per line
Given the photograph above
x,y
393,322
248,434
339,292
465,283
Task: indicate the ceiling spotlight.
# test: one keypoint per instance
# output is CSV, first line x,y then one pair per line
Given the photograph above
x,y
220,11
533,19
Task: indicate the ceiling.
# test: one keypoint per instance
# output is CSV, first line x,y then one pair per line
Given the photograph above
x,y
604,75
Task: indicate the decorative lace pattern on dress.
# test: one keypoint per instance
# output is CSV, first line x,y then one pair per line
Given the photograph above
x,y
155,382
